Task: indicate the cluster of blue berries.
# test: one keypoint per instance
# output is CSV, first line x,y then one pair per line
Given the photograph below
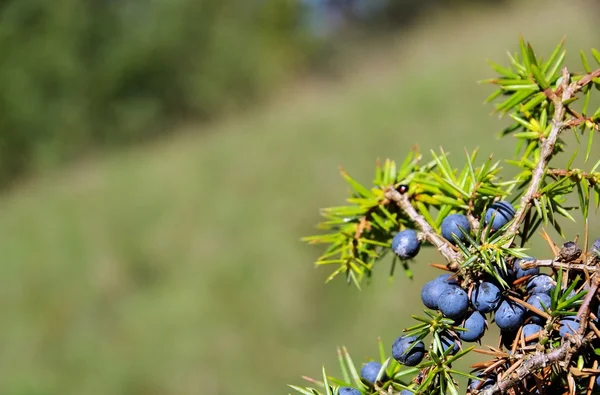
x,y
469,302
469,310
443,293
446,295
468,305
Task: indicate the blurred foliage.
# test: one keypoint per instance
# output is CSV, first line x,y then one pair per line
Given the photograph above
x,y
388,14
78,74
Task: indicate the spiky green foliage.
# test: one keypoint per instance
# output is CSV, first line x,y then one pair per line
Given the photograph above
x,y
543,100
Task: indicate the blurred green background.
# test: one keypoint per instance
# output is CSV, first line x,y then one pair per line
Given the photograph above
x,y
196,141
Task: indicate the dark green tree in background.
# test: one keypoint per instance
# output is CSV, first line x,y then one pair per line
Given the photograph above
x,y
78,75
82,76
482,223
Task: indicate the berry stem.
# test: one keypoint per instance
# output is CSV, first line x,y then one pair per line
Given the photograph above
x,y
590,268
442,245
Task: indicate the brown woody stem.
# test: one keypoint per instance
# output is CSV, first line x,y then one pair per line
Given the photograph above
x,y
429,233
557,265
558,124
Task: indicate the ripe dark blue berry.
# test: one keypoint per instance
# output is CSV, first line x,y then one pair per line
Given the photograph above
x,y
541,302
475,327
499,214
430,294
402,354
519,273
406,392
449,342
348,391
451,226
370,370
406,244
530,330
570,294
486,297
509,315
540,284
568,326
487,383
454,302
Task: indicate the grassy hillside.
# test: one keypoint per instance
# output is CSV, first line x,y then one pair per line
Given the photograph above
x,y
176,268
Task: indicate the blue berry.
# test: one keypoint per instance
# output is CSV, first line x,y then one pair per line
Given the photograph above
x,y
568,326
475,325
430,294
406,244
370,370
598,381
406,392
540,284
486,297
402,355
519,273
499,214
451,226
348,391
539,301
509,315
488,382
529,330
449,342
571,294
454,302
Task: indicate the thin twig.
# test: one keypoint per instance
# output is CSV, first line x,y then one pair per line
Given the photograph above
x,y
473,222
557,265
586,80
584,310
442,245
574,172
547,149
558,124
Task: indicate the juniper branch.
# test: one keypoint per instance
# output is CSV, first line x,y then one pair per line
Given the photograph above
x,y
551,263
562,93
428,232
564,352
547,149
574,172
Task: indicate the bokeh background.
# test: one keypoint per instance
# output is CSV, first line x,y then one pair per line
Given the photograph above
x,y
160,160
